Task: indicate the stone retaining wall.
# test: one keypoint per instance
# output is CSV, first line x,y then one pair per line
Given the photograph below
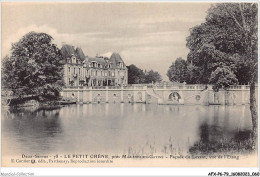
x,y
161,95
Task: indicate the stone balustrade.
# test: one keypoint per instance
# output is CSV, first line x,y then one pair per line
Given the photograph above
x,y
160,94
157,87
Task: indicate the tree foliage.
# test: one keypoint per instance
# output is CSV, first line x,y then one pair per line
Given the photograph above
x,y
222,77
178,71
34,66
152,77
226,38
138,76
135,75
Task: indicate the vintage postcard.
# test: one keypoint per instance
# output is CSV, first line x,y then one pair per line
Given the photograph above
x,y
129,84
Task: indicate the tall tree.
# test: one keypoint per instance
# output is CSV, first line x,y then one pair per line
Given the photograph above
x,y
193,74
138,76
152,77
34,66
135,75
225,46
178,71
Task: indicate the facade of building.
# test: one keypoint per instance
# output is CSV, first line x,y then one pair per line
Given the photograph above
x,y
81,70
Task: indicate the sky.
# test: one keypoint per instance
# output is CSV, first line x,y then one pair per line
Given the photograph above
x,y
148,35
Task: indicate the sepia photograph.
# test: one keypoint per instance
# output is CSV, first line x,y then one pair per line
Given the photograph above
x,y
129,84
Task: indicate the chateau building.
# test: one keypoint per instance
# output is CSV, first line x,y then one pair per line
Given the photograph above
x,y
81,70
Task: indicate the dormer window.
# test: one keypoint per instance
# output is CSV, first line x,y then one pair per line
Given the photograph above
x,y
94,64
74,60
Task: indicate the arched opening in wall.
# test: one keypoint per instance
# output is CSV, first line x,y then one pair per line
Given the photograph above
x,y
98,98
149,97
140,96
174,96
114,97
233,98
73,96
197,98
216,97
226,97
129,96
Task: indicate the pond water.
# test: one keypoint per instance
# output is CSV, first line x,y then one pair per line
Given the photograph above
x,y
119,128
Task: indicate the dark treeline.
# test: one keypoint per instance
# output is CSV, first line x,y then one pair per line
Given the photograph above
x,y
138,76
223,51
192,72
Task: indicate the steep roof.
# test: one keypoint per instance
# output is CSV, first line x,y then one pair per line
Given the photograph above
x,y
98,60
80,54
116,58
68,50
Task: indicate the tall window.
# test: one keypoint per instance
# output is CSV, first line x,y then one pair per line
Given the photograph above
x,y
74,71
69,69
79,71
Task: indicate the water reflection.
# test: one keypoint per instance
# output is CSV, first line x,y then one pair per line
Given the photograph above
x,y
225,133
135,129
40,126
